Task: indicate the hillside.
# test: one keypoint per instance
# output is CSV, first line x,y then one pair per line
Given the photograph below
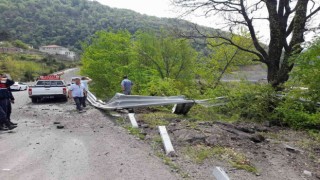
x,y
67,22
25,64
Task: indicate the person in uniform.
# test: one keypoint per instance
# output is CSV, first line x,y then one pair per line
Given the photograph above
x,y
9,111
5,83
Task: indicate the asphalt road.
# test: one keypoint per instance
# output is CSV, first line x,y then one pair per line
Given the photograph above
x,y
89,146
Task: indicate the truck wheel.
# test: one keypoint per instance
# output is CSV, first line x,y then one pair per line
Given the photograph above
x,y
34,100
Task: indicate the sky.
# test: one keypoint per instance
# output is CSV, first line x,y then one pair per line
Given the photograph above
x,y
159,8
164,8
150,7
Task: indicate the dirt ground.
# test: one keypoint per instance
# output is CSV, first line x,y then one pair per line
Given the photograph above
x,y
244,150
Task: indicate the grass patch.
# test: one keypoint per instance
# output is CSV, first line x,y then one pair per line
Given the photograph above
x,y
136,132
237,160
167,161
158,118
156,142
199,153
210,114
121,121
315,135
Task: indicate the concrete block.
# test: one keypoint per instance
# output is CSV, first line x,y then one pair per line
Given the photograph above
x,y
133,120
220,174
166,140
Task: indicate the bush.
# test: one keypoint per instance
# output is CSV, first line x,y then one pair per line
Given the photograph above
x,y
20,44
250,101
299,108
162,87
298,113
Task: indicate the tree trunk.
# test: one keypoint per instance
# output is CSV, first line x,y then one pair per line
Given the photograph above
x,y
273,70
279,75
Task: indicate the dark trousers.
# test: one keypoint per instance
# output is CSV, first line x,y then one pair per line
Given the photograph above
x,y
3,110
9,110
128,92
78,101
83,102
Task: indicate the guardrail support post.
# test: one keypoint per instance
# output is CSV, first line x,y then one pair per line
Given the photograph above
x,y
133,120
220,174
166,140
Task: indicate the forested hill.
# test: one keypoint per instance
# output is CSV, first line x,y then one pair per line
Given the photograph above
x,y
67,22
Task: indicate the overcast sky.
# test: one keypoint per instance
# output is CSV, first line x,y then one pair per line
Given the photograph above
x,y
159,8
164,8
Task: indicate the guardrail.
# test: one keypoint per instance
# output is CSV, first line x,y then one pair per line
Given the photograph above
x,y
120,101
182,105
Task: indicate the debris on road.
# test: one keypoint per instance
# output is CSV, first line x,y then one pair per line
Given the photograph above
x,y
60,127
292,149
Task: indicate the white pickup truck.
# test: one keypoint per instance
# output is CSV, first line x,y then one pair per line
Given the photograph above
x,y
48,87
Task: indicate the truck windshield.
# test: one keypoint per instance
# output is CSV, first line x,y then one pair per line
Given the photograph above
x,y
49,83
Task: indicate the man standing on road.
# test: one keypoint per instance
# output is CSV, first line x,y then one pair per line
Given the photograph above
x,y
126,85
11,101
5,83
77,92
84,82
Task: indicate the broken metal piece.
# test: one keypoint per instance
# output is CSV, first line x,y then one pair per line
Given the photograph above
x,y
182,108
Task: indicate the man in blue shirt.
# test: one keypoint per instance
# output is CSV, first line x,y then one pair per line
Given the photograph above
x,y
77,92
126,85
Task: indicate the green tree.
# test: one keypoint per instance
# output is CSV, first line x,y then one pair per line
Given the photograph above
x,y
223,58
107,57
20,44
153,63
169,56
5,36
306,73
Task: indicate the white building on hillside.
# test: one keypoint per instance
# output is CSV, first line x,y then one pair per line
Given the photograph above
x,y
58,50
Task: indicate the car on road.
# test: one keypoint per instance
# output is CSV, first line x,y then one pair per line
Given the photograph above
x,y
49,87
19,86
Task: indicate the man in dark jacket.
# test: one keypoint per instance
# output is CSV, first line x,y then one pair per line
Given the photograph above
x,y
5,83
11,101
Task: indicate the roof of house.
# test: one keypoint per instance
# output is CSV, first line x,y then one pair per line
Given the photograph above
x,y
52,46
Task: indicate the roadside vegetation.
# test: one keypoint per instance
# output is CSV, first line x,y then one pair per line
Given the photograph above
x,y
164,65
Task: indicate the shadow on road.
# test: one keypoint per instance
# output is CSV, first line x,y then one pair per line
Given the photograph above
x,y
49,101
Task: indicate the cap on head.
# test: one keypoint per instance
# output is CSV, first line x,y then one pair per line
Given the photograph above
x,y
125,77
